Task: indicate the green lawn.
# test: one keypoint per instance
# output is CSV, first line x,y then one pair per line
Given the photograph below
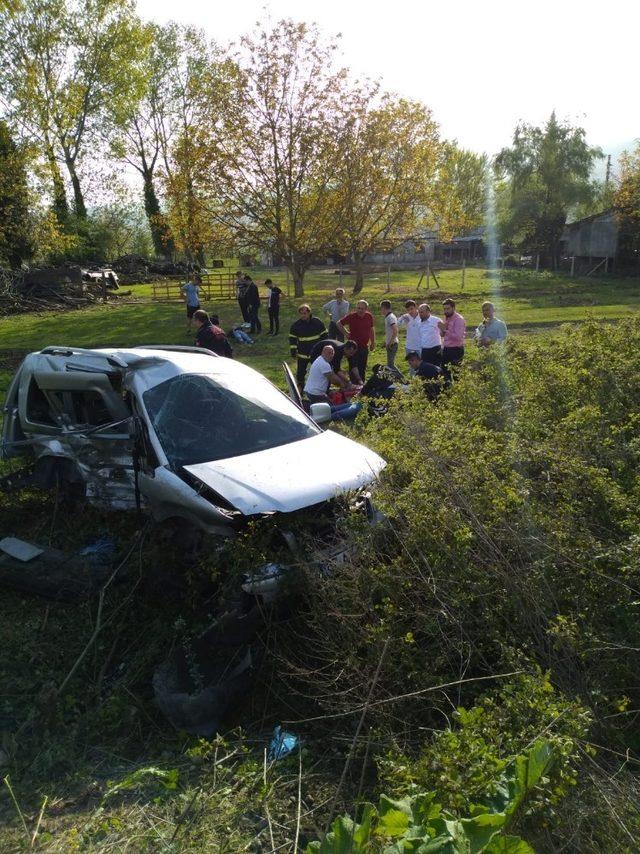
x,y
527,301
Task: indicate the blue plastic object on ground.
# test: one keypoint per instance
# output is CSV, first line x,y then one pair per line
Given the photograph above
x,y
100,551
282,744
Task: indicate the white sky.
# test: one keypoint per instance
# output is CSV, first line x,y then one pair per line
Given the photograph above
x,y
480,66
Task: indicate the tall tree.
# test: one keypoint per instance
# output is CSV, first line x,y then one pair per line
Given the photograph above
x,y
68,67
385,169
548,171
459,197
198,74
627,201
16,222
146,128
271,145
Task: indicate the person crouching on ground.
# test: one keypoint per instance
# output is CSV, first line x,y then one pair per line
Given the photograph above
x,y
431,375
321,375
211,336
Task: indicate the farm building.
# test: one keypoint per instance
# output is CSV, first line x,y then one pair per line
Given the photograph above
x,y
466,247
592,239
413,250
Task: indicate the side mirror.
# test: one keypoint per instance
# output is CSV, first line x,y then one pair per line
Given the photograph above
x,y
321,413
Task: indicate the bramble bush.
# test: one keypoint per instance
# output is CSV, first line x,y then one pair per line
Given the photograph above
x,y
512,546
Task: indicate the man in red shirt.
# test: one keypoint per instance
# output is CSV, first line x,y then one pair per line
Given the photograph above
x,y
361,330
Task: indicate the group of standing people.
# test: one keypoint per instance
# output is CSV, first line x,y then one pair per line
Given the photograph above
x,y
249,302
433,344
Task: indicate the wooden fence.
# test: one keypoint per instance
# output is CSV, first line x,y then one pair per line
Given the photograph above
x,y
215,286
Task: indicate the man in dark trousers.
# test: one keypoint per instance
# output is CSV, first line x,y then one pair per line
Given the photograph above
x,y
304,334
273,307
253,305
241,294
211,336
362,331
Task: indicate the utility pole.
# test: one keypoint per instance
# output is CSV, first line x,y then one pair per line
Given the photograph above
x,y
607,177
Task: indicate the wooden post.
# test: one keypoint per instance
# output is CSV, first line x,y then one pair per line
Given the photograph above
x,y
104,287
389,279
464,266
573,264
340,281
538,262
606,264
428,274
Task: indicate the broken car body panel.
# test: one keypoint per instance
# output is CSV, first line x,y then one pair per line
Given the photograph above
x,y
206,439
291,476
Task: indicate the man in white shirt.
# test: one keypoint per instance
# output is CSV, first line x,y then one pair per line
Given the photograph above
x,y
321,375
336,309
390,332
411,321
430,338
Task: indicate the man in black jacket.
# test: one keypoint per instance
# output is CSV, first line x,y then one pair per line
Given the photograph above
x,y
252,298
304,334
273,307
210,336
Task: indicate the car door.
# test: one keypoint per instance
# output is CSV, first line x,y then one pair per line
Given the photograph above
x,y
13,437
292,386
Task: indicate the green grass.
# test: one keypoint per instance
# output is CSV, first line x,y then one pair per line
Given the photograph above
x,y
527,302
105,726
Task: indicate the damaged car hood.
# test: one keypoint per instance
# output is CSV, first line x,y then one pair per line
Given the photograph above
x,y
291,476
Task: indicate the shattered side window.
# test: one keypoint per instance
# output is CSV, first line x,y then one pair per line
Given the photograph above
x,y
38,407
200,419
81,408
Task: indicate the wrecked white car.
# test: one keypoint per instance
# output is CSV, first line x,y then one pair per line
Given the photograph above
x,y
177,430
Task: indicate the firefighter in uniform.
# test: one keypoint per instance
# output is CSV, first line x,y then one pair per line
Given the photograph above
x,y
304,334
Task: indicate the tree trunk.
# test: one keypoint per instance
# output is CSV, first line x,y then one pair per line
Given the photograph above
x,y
60,203
297,271
78,198
357,257
160,233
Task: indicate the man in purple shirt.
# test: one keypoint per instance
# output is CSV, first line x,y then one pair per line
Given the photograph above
x,y
453,329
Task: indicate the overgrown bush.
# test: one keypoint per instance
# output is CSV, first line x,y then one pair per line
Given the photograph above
x,y
512,545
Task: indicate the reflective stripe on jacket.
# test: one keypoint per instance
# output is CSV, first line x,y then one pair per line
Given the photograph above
x,y
303,334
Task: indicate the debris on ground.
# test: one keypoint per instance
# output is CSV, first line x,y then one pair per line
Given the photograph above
x,y
48,572
282,744
55,288
207,675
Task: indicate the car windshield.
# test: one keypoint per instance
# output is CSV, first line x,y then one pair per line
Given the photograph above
x,y
200,418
